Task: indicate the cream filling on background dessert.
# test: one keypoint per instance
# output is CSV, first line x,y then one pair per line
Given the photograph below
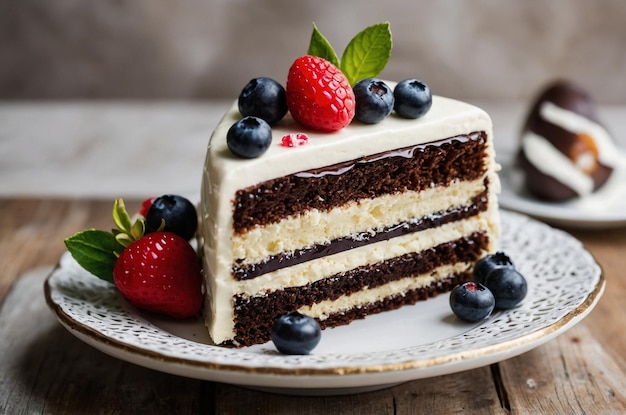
x,y
577,124
225,174
550,161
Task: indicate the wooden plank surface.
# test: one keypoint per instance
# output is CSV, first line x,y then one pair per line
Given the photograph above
x,y
47,370
609,317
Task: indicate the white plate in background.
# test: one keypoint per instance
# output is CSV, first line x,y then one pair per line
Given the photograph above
x,y
603,209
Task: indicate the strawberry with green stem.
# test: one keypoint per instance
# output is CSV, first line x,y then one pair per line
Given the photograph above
x,y
159,272
319,85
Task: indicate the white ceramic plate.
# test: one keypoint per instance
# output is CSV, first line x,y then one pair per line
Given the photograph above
x,y
414,342
605,208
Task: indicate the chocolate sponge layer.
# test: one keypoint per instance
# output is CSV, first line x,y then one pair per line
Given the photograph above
x,y
411,168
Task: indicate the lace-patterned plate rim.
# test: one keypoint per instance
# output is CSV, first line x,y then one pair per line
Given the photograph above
x,y
266,369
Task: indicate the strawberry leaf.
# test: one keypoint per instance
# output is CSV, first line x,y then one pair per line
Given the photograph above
x,y
321,47
367,53
95,251
127,231
139,228
124,239
121,218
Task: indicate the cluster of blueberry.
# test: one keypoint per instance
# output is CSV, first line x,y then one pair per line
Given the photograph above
x,y
497,284
375,99
262,103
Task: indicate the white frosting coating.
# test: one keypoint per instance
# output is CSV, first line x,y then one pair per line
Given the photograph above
x,y
225,173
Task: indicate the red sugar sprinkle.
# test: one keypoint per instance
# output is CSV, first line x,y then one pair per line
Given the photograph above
x,y
294,140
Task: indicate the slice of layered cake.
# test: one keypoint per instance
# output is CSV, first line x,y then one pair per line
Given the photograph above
x,y
365,197
321,203
362,220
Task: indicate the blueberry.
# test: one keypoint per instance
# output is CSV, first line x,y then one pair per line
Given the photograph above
x,y
374,100
490,262
471,301
249,137
413,98
296,333
178,213
508,286
263,98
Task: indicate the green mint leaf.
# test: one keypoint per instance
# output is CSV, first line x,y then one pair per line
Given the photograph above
x,y
367,53
95,251
320,46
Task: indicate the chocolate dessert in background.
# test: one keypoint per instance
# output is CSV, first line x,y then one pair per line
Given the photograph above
x,y
565,151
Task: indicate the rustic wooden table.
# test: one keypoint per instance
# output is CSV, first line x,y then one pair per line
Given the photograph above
x,y
47,370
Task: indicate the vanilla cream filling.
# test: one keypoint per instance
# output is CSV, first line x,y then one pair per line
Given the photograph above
x,y
311,271
317,227
325,309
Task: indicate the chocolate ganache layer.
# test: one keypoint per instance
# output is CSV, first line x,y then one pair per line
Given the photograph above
x,y
261,312
413,168
477,204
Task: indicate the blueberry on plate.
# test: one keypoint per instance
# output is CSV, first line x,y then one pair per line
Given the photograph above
x,y
249,137
374,100
296,333
471,301
508,286
490,262
413,98
264,98
179,214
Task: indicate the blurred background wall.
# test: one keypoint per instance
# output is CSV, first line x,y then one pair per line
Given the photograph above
x,y
144,49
